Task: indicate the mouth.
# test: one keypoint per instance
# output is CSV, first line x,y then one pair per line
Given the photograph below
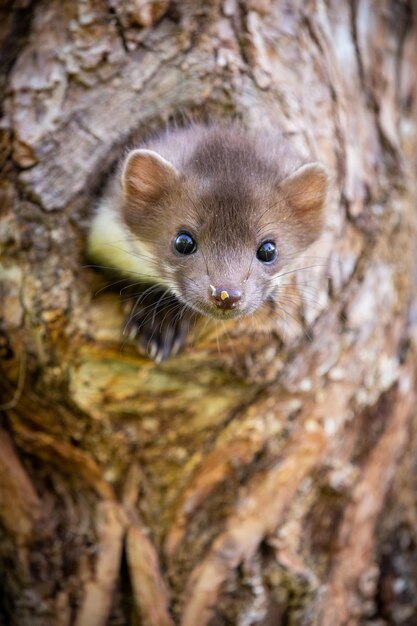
x,y
219,314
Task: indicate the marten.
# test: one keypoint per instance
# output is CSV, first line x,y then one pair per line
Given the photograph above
x,y
206,218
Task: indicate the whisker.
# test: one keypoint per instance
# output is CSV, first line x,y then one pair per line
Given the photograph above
x,y
117,269
315,305
110,285
141,294
217,338
250,267
151,306
169,310
302,255
297,322
133,253
299,269
135,306
193,281
296,290
123,289
226,332
308,296
174,306
179,315
166,301
201,330
299,282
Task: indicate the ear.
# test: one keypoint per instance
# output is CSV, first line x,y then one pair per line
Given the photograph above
x,y
146,176
306,189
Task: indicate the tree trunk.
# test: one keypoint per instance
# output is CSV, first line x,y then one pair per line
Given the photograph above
x,y
257,479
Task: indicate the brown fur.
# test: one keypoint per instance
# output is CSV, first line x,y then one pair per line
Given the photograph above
x,y
231,190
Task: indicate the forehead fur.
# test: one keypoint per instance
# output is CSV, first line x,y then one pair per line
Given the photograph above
x,y
229,154
230,178
228,189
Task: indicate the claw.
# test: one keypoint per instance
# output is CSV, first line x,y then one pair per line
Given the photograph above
x,y
160,336
159,357
153,350
176,346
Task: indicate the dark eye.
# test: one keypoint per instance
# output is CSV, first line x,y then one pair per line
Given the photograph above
x,y
185,244
266,252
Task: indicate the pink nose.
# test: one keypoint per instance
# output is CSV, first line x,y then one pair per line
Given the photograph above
x,y
225,298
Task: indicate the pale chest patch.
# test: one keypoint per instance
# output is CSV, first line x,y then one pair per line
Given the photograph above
x,y
116,248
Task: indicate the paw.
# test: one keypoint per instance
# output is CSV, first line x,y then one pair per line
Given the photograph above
x,y
159,325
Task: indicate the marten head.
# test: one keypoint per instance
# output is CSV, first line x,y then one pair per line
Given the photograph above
x,y
221,225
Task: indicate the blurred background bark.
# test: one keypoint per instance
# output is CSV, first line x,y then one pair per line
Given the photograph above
x,y
256,479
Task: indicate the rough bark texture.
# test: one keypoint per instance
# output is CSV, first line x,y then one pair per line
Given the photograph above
x,y
256,479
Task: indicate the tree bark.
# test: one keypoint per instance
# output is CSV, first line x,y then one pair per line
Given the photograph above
x,y
258,478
